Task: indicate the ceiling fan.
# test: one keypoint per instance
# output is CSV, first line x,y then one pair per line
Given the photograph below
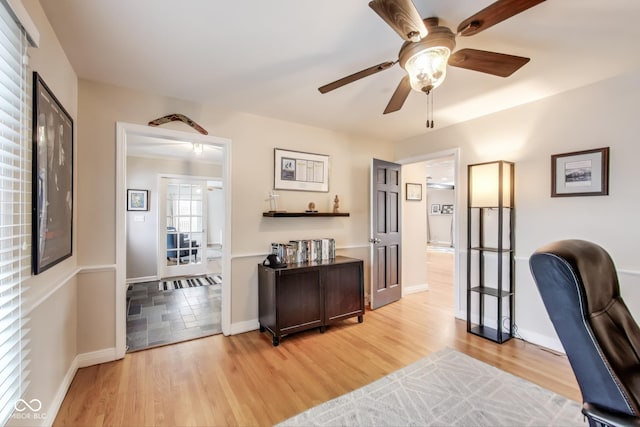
x,y
428,47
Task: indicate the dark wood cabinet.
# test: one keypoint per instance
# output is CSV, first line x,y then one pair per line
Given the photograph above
x,y
309,295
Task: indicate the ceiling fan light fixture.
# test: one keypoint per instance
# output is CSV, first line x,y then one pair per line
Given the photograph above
x,y
427,69
426,61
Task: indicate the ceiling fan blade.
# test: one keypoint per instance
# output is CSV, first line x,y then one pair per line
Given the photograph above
x,y
494,14
402,16
355,76
399,96
498,64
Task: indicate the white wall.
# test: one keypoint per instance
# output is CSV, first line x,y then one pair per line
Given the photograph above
x,y
439,225
215,209
600,115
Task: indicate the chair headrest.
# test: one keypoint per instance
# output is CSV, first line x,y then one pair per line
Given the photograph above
x,y
592,265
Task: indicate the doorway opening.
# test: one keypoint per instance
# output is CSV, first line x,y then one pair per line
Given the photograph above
x,y
441,200
171,251
440,175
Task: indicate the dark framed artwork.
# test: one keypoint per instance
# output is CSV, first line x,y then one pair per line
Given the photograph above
x,y
447,210
137,200
580,173
414,191
52,193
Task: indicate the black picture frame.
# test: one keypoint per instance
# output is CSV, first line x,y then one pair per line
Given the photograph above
x,y
580,173
137,200
446,210
52,179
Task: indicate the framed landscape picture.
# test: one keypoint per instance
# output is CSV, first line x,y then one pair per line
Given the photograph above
x,y
580,173
52,191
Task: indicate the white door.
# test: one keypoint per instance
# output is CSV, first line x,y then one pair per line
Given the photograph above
x,y
182,227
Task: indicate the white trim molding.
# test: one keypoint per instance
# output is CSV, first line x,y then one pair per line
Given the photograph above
x,y
246,326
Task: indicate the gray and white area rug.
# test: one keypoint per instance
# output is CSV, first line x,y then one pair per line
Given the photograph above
x,y
189,282
447,388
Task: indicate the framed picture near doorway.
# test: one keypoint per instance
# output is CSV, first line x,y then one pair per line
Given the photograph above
x,y
414,191
52,179
137,200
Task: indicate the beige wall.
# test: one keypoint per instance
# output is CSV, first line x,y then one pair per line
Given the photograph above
x,y
253,140
600,115
414,230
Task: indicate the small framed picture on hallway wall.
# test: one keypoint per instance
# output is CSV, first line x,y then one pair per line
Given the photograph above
x,y
414,191
137,200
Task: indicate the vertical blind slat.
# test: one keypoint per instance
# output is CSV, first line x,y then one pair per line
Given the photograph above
x,y
15,206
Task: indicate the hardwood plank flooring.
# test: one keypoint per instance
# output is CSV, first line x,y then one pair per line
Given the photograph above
x,y
244,380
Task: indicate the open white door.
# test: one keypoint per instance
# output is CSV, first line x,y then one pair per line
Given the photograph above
x,y
182,227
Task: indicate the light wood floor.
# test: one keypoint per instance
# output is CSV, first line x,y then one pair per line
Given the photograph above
x,y
243,380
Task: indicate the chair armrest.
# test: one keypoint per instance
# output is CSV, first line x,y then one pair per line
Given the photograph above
x,y
607,417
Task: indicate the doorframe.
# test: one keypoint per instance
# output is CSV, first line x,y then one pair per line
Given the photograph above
x,y
123,132
459,310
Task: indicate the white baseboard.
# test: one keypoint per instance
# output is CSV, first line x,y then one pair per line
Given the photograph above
x,y
97,357
541,340
408,290
528,336
142,279
80,361
246,326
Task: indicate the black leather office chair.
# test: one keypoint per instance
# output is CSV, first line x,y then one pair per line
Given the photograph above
x,y
579,286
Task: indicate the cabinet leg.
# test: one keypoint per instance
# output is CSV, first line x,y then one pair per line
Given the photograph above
x,y
322,329
262,329
275,341
360,319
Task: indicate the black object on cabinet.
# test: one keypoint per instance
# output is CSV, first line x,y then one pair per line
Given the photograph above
x,y
309,295
490,250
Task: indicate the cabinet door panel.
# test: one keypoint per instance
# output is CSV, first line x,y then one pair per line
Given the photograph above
x,y
299,300
344,292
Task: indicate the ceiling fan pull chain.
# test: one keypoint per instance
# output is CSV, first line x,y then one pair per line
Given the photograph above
x,y
432,95
429,110
427,124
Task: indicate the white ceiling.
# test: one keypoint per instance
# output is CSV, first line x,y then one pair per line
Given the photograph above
x,y
269,57
162,148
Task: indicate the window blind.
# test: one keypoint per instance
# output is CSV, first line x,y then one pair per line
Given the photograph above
x,y
15,209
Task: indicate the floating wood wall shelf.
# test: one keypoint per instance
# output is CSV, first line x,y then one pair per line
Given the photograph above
x,y
302,214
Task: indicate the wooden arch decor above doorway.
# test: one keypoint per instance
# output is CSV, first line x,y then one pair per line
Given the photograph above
x,y
177,117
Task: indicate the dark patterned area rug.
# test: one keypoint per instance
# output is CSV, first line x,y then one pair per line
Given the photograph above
x,y
189,282
447,388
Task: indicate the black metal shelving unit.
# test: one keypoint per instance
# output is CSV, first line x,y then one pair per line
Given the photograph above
x,y
491,212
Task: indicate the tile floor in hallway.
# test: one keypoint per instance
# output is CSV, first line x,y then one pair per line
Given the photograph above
x,y
157,317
